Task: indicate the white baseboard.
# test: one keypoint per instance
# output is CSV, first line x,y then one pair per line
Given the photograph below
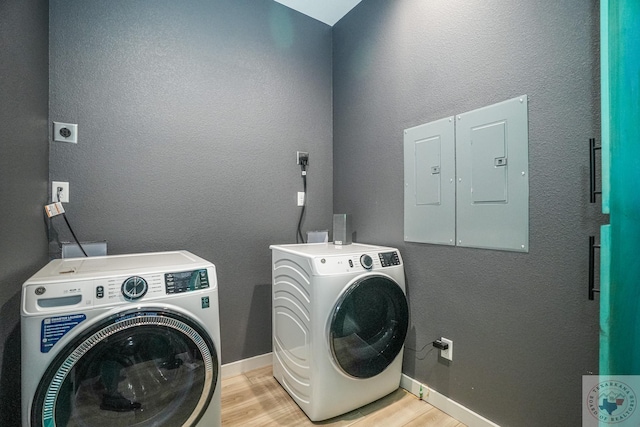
x,y
442,402
241,366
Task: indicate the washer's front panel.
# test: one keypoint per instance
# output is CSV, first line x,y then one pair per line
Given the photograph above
x,y
142,368
121,341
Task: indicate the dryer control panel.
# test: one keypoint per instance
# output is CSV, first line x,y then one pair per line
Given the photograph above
x,y
387,259
357,262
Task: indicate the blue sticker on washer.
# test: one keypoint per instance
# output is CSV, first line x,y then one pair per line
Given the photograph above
x,y
54,328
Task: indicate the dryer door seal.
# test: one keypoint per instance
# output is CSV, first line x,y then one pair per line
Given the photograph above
x,y
368,326
141,367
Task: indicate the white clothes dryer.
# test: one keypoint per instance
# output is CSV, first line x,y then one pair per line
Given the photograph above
x,y
340,318
125,340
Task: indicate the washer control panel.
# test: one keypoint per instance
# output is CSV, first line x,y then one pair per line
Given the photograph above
x,y
387,259
127,288
186,281
82,294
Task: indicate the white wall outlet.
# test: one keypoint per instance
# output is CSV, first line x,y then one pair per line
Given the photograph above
x,y
300,198
65,132
448,353
64,193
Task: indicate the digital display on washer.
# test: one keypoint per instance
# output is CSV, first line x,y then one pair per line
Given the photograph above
x,y
186,281
387,259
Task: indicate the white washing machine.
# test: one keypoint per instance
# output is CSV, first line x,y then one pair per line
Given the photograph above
x,y
126,340
340,318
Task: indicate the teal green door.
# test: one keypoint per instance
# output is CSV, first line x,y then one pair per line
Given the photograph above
x,y
620,240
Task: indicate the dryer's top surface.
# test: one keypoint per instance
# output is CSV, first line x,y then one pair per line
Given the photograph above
x,y
95,267
329,249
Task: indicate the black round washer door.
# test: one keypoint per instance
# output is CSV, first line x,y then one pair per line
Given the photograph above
x,y
368,326
138,368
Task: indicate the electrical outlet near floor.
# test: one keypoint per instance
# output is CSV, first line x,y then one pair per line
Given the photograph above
x,y
448,353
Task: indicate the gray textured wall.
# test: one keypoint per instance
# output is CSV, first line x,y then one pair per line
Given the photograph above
x,y
190,115
24,175
524,332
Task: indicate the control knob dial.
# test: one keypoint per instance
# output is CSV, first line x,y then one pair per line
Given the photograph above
x,y
366,262
134,288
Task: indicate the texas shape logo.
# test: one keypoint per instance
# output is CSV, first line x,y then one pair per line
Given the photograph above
x,y
611,402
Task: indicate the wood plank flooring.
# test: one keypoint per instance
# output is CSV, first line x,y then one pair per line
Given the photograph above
x,y
256,399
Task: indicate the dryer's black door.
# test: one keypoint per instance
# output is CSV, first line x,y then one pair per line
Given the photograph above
x,y
139,368
368,326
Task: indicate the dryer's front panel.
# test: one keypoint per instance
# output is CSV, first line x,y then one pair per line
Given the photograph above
x,y
368,326
138,368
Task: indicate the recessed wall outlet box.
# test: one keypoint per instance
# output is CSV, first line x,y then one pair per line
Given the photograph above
x,y
448,353
318,236
71,249
64,193
65,132
342,229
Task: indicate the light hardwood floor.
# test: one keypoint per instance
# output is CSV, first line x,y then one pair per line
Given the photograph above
x,y
256,399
